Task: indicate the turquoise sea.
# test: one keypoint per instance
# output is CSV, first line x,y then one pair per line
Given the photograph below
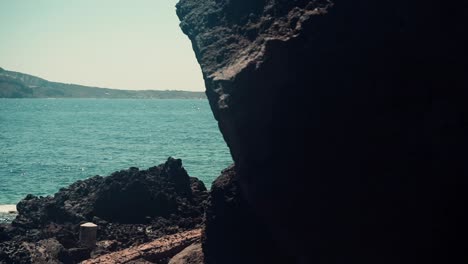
x,y
46,144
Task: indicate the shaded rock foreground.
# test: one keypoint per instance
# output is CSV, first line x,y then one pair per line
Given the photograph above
x,y
347,124
131,207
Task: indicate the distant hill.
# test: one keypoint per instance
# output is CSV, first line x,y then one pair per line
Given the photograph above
x,y
20,85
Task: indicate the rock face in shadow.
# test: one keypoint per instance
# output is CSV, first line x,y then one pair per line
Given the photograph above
x,y
347,124
130,196
130,207
233,233
193,254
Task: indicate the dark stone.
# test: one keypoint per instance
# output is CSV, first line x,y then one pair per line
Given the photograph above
x,y
130,207
193,254
232,230
124,197
79,254
346,122
14,252
3,234
48,251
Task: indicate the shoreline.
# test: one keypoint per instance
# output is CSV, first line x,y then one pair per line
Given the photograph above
x,y
8,209
145,219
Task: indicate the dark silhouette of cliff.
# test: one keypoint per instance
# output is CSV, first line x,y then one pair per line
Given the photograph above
x,y
347,124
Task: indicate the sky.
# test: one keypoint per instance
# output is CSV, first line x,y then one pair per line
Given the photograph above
x,y
121,44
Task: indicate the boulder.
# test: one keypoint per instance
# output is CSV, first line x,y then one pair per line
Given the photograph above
x,y
128,196
233,232
47,251
130,207
346,122
192,254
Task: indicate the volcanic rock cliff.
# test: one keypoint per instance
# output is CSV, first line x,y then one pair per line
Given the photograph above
x,y
347,124
131,207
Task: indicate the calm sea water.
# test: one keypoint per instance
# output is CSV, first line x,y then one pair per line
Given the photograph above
x,y
46,144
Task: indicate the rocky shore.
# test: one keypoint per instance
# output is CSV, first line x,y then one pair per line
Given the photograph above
x,y
130,207
346,121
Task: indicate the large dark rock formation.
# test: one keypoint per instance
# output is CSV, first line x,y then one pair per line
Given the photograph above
x,y
131,207
130,196
233,233
347,124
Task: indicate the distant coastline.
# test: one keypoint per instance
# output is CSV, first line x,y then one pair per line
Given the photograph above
x,y
108,98
21,85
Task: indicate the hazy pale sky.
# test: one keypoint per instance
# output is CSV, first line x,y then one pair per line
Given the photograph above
x,y
123,44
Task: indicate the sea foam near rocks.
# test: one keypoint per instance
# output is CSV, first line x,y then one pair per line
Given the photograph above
x,y
7,208
7,213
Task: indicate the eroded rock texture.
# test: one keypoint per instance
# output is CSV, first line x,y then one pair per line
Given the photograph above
x,y
347,124
128,196
130,207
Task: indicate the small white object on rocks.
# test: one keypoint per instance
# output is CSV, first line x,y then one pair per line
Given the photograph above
x,y
88,232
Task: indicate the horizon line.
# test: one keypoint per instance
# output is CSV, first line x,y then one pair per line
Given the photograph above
x,y
99,87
